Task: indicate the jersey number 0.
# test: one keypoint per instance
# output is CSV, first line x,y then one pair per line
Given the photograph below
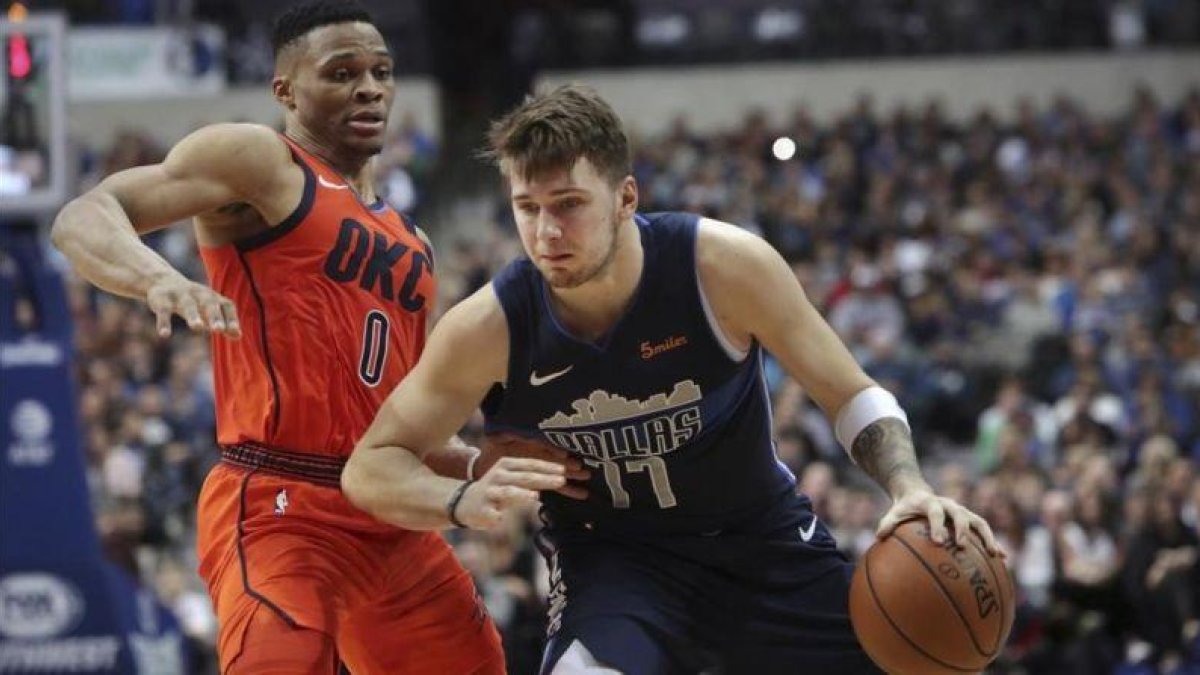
x,y
374,348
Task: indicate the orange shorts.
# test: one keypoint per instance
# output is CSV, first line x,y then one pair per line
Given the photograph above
x,y
392,600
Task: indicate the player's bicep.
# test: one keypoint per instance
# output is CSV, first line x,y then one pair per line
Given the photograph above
x,y
209,169
152,197
425,410
752,288
465,355
808,349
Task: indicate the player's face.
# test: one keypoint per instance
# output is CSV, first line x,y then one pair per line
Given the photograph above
x,y
344,87
568,221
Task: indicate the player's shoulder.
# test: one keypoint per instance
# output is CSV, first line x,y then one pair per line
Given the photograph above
x,y
474,335
475,316
237,140
250,158
718,244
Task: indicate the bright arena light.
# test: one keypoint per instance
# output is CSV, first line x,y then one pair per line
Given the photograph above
x,y
783,148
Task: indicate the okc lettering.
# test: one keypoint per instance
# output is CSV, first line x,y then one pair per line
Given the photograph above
x,y
370,257
646,437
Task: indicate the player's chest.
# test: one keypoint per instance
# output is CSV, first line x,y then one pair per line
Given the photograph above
x,y
359,254
630,382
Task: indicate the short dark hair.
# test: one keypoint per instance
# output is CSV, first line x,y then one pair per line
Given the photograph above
x,y
551,130
299,19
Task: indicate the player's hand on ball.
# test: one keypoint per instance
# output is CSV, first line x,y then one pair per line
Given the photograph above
x,y
944,515
510,483
200,306
496,446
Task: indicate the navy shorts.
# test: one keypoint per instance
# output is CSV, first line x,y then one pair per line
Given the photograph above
x,y
766,597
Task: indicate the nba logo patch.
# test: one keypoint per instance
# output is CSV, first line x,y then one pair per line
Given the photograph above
x,y
281,501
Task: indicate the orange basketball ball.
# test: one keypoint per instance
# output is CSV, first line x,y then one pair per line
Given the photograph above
x,y
920,608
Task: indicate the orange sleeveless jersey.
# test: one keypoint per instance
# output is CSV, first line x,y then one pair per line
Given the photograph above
x,y
333,304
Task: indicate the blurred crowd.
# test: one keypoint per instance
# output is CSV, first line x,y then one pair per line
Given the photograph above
x,y
605,33
1029,291
911,27
1026,283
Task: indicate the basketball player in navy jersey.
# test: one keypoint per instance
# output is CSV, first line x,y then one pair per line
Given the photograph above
x,y
635,343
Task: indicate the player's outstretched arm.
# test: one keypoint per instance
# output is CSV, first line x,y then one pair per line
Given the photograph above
x,y
755,295
219,165
386,477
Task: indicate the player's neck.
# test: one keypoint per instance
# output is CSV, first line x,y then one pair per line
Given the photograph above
x,y
592,309
356,172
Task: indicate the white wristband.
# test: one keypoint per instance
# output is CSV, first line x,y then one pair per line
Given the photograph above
x,y
471,464
867,406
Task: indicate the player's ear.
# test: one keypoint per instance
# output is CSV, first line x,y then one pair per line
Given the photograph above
x,y
281,87
628,193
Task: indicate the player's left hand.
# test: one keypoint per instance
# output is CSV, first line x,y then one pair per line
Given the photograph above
x,y
940,512
500,445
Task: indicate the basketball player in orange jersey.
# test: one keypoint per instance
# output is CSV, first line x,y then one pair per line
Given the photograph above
x,y
318,307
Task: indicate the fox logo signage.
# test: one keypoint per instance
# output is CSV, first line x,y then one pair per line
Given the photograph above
x,y
37,605
63,607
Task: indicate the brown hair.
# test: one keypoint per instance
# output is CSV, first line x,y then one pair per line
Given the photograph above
x,y
551,130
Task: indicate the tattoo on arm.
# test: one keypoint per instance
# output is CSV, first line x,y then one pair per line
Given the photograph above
x,y
884,451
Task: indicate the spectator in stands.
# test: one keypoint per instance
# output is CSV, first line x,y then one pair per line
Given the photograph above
x,y
1160,580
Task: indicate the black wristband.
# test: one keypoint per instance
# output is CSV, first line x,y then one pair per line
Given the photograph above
x,y
452,505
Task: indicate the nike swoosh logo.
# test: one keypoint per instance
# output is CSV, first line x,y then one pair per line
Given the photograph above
x,y
807,533
334,186
538,380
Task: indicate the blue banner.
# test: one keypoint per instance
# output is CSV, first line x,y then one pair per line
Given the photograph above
x,y
63,607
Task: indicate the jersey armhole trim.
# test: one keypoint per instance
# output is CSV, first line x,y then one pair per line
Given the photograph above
x,y
736,355
293,219
509,321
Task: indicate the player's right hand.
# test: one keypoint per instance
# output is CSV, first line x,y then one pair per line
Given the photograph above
x,y
505,444
510,483
200,306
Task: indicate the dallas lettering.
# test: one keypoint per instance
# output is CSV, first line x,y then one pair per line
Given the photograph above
x,y
648,437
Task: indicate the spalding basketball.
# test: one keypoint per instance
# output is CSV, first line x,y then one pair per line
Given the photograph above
x,y
921,608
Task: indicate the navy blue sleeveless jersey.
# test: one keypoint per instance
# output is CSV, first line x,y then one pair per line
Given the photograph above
x,y
674,425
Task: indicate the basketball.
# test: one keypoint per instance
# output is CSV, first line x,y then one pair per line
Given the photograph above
x,y
922,608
